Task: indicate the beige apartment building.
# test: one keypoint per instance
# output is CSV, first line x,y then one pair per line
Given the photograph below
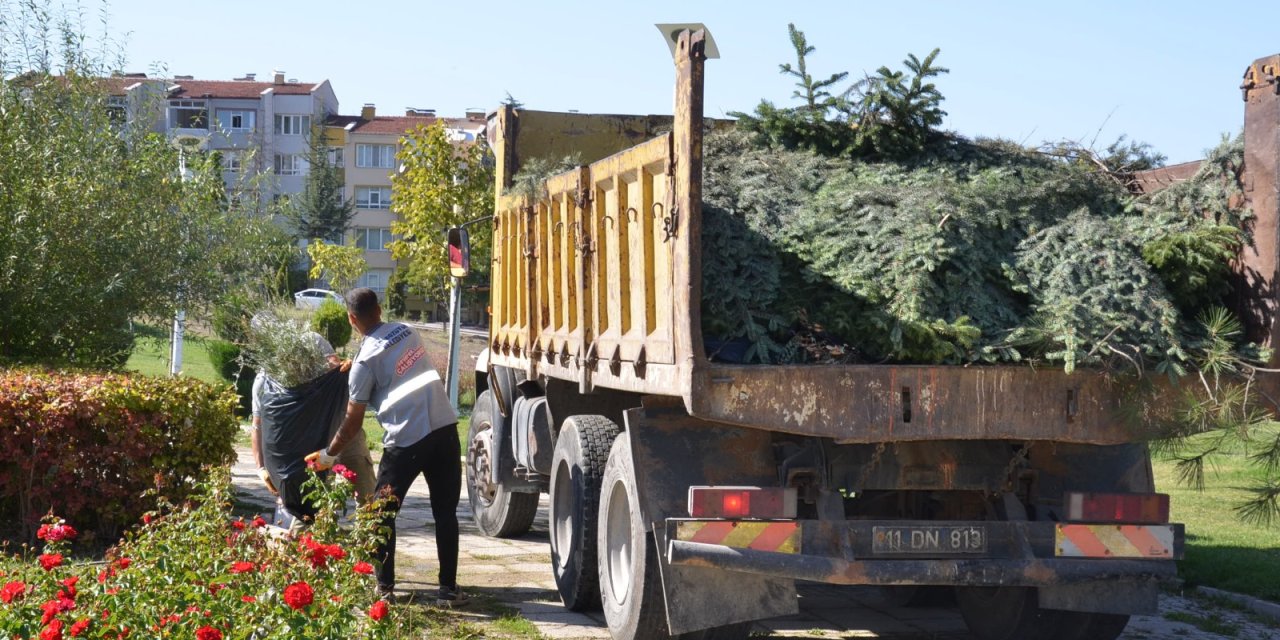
x,y
365,147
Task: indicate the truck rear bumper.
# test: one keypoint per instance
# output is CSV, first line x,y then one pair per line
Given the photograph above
x,y
1014,554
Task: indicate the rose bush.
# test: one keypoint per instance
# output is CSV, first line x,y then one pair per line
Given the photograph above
x,y
197,572
91,444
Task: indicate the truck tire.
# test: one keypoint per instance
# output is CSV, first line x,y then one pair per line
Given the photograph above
x,y
497,512
577,467
1091,626
1006,613
630,585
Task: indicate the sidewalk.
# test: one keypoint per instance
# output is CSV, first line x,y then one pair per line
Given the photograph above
x,y
517,573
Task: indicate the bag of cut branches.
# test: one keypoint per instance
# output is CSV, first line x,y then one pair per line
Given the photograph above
x,y
301,398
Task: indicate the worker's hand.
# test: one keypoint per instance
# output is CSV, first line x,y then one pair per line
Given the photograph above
x,y
321,460
345,365
266,479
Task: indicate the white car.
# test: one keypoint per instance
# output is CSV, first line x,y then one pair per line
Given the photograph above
x,y
313,298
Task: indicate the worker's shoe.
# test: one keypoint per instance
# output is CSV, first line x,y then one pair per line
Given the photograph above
x,y
386,594
451,597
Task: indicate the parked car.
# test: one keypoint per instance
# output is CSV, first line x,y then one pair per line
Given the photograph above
x,y
313,298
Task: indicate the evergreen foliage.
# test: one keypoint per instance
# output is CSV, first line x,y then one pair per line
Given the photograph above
x,y
321,211
330,321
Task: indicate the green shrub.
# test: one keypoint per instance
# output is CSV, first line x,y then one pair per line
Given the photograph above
x,y
330,321
92,444
231,317
225,357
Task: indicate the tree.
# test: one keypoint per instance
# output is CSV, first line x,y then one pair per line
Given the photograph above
x,y
340,264
443,184
813,92
321,211
96,227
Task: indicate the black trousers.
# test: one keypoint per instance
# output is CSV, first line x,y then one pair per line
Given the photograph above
x,y
436,457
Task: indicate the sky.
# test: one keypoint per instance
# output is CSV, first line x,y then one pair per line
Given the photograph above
x,y
1165,73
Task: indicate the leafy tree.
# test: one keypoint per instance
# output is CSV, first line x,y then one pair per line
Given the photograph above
x,y
443,184
321,211
340,264
96,227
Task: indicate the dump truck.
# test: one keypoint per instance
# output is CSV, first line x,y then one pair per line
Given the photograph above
x,y
687,496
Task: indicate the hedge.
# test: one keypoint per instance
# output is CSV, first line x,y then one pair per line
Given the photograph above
x,y
93,445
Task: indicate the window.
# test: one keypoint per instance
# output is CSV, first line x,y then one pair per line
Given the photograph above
x,y
379,156
373,197
336,157
188,114
373,239
231,160
117,109
290,164
235,120
292,125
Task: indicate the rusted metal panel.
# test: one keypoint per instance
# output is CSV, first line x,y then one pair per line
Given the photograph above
x,y
1255,281
881,403
672,452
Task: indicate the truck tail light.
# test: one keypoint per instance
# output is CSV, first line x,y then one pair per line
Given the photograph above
x,y
1134,508
759,503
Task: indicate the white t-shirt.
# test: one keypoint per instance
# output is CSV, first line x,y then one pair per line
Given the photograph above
x,y
392,375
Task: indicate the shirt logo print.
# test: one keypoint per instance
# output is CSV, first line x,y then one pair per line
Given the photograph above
x,y
408,360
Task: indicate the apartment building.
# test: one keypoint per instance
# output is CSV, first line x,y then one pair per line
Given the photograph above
x,y
366,147
233,117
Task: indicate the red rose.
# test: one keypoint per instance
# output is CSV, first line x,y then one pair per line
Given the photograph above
x,y
259,522
345,472
79,627
12,591
363,568
50,560
53,631
248,599
123,563
379,610
241,567
53,607
215,588
208,633
56,532
238,525
298,595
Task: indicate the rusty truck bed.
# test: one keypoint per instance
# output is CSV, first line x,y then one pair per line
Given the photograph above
x,y
598,280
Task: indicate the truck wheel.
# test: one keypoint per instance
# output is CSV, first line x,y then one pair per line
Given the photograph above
x,y
1005,613
630,586
498,513
582,449
1076,625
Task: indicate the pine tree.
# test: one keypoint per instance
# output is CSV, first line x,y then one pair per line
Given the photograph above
x,y
321,211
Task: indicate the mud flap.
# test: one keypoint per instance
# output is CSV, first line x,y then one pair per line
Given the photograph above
x,y
672,452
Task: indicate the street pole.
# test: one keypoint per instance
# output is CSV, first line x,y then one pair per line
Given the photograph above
x,y
179,319
455,338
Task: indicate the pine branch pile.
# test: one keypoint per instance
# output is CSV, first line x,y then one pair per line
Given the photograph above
x,y
970,252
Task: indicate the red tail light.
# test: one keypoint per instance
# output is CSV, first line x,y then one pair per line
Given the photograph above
x,y
761,503
1133,508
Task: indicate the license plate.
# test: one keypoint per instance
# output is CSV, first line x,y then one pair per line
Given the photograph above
x,y
928,540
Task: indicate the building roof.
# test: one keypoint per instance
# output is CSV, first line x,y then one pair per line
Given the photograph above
x,y
397,125
197,89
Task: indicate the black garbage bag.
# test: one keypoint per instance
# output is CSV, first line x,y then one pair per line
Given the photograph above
x,y
295,422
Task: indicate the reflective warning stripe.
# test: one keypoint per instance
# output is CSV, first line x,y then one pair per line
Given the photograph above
x,y
781,537
1113,541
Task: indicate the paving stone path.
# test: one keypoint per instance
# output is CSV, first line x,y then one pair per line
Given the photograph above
x,y
517,573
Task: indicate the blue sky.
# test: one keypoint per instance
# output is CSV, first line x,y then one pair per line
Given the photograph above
x,y
1162,72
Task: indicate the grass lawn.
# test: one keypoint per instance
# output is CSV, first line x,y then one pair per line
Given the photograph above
x,y
1222,551
151,354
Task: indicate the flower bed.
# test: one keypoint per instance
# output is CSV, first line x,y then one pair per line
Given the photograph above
x,y
197,572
